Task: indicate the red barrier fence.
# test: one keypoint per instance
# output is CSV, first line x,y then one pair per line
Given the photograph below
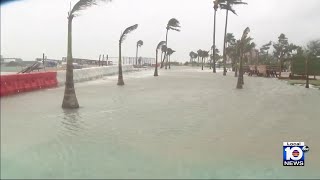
x,y
16,83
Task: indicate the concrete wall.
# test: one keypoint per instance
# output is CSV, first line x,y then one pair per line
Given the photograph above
x,y
87,74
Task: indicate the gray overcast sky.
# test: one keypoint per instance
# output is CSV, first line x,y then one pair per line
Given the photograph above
x,y
31,27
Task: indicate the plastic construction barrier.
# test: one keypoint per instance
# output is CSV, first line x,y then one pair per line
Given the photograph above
x,y
17,83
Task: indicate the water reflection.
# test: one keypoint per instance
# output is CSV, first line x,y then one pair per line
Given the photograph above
x,y
72,121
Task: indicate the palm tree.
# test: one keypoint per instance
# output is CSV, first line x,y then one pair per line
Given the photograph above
x,y
173,24
122,38
205,54
191,54
139,44
195,56
216,5
169,53
228,7
241,48
70,100
199,52
161,44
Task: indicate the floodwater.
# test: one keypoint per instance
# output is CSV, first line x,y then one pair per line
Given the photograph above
x,y
186,123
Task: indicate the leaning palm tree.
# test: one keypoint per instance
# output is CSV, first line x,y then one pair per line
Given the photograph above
x,y
216,5
169,53
228,7
173,24
161,44
122,38
139,44
241,48
70,100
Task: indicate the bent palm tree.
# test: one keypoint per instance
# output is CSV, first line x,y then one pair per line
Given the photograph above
x,y
139,44
228,7
160,45
173,24
122,38
70,100
241,48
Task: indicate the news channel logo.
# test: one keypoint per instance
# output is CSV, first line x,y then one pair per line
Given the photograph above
x,y
294,153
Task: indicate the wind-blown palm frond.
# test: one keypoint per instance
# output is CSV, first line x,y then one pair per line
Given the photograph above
x,y
140,43
228,7
245,33
173,24
235,2
83,4
127,31
161,44
170,51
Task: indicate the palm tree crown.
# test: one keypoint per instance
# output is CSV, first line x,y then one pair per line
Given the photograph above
x,y
173,24
139,43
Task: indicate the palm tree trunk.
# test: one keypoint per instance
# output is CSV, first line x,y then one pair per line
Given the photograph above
x,y
202,63
224,46
165,53
240,77
137,55
236,72
120,77
214,43
70,99
161,57
307,72
156,68
99,59
169,61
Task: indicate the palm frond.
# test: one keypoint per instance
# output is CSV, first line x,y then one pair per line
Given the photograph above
x,y
236,2
228,8
82,5
127,31
161,44
245,33
170,51
175,29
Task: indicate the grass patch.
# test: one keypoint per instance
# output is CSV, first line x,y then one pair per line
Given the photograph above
x,y
315,83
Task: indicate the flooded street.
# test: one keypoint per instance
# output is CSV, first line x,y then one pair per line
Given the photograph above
x,y
186,123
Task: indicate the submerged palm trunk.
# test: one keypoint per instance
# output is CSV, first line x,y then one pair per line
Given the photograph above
x,y
224,46
156,68
70,99
240,77
120,77
214,43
